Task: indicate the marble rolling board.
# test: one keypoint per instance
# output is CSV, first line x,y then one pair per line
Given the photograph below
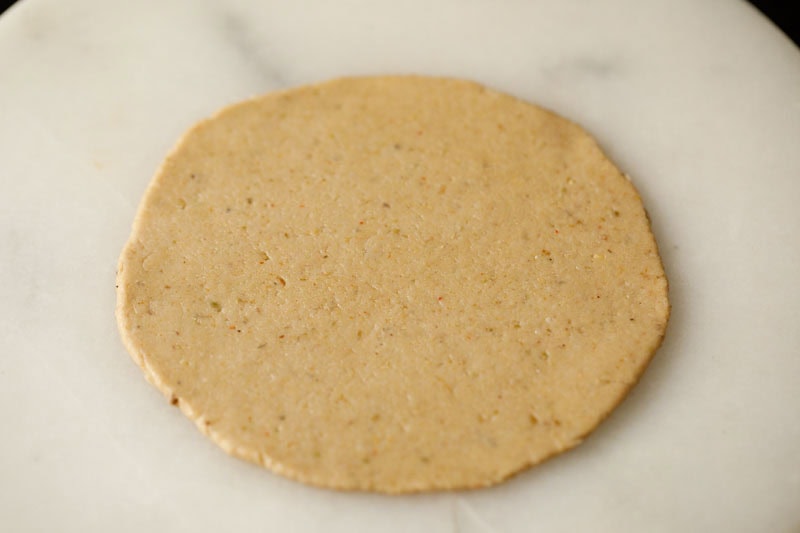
x,y
698,100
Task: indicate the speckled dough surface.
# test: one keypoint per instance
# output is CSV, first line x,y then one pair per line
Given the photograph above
x,y
394,284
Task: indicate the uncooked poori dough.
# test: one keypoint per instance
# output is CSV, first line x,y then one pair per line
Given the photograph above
x,y
393,284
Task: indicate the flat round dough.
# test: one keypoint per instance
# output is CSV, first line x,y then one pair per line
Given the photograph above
x,y
395,284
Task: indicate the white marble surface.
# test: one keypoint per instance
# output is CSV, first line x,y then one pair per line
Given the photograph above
x,y
698,100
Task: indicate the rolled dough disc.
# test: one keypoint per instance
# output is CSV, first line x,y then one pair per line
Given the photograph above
x,y
395,284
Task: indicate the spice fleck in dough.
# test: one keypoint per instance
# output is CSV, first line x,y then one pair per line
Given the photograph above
x,y
394,284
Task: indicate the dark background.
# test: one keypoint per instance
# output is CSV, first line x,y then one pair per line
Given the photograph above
x,y
777,10
781,14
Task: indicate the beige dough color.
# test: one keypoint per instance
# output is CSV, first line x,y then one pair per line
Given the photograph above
x,y
394,284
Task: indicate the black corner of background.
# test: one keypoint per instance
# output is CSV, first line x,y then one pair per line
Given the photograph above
x,y
5,4
781,12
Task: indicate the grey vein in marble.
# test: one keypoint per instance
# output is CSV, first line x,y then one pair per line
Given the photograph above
x,y
250,48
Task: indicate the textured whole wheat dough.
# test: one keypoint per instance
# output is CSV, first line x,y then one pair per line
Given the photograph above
x,y
394,284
